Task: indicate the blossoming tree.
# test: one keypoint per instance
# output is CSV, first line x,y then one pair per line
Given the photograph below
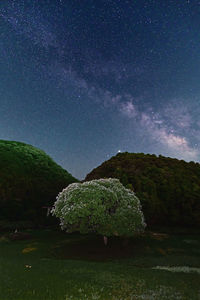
x,y
103,206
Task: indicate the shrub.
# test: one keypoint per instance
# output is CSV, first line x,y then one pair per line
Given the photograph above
x,y
103,206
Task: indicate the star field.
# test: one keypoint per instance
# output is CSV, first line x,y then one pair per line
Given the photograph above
x,y
83,79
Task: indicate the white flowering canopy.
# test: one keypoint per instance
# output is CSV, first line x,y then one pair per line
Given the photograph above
x,y
103,206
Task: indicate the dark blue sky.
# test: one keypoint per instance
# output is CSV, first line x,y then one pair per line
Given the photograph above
x,y
84,79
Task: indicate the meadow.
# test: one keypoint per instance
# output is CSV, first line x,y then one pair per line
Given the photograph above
x,y
53,265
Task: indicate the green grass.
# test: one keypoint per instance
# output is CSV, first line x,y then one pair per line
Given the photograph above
x,y
53,265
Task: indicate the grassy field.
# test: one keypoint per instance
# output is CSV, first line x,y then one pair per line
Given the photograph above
x,y
52,265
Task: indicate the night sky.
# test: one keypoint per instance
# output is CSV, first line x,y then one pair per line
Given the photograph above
x,y
86,79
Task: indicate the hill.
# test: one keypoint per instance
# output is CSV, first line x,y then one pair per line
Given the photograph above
x,y
29,181
169,189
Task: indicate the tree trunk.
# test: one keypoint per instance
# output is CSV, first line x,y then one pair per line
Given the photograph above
x,y
125,242
105,239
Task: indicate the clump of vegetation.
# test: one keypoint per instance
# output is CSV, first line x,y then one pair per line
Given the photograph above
x,y
103,206
169,189
29,181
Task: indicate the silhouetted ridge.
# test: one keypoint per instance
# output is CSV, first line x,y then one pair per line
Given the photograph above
x,y
169,189
29,181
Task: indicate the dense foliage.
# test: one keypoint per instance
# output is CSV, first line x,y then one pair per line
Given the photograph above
x,y
103,206
29,180
169,189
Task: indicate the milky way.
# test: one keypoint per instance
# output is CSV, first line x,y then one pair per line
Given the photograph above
x,y
83,79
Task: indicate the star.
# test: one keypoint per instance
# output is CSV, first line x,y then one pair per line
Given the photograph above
x,y
81,68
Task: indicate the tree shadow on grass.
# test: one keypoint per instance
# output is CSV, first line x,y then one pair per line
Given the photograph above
x,y
92,248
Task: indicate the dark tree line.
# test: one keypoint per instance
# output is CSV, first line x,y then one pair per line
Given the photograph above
x,y
169,189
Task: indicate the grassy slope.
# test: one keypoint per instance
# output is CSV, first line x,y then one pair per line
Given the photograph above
x,y
77,267
29,180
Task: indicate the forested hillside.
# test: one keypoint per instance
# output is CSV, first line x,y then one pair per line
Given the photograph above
x,y
29,181
169,189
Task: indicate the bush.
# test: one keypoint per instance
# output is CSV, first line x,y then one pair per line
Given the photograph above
x,y
103,206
